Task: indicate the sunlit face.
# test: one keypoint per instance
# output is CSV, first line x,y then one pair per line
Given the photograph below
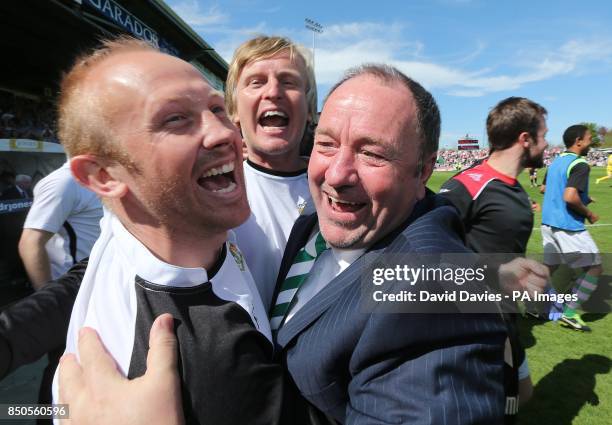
x,y
534,155
271,106
363,170
174,127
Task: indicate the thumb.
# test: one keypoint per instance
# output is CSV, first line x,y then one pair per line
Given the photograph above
x,y
162,357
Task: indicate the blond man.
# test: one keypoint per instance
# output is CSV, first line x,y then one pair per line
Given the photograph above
x,y
271,97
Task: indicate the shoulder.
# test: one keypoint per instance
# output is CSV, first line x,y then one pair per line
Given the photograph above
x,y
435,231
579,165
59,181
454,188
474,180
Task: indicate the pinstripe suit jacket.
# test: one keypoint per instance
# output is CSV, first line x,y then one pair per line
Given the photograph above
x,y
365,368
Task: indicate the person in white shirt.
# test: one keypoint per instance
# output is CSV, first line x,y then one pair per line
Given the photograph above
x,y
148,134
271,96
61,227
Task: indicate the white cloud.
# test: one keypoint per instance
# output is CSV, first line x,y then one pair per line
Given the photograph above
x,y
191,12
574,56
360,30
348,44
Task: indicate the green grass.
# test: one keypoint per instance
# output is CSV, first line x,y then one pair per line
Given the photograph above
x,y
570,370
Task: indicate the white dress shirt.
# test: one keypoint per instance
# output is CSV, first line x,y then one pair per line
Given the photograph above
x,y
329,265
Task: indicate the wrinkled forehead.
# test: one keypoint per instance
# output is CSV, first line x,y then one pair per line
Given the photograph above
x,y
374,104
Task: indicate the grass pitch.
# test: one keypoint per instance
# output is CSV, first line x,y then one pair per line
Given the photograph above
x,y
570,370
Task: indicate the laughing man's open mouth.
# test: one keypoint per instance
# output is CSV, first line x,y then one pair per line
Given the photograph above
x,y
273,119
220,179
343,205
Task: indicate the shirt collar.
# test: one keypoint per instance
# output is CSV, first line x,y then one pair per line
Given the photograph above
x,y
346,257
149,267
503,177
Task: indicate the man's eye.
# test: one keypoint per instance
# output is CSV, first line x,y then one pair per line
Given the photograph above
x,y
218,109
324,145
174,118
373,155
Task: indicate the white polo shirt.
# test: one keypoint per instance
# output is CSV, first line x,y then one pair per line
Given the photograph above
x,y
58,198
221,318
276,199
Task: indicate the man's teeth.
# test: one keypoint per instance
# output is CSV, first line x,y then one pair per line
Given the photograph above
x,y
226,168
227,189
338,201
274,114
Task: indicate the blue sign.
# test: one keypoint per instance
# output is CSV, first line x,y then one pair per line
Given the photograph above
x,y
131,23
15,205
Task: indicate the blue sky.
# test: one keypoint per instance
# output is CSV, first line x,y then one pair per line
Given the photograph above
x,y
469,53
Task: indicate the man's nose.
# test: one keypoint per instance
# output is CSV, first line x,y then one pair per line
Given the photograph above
x,y
342,170
273,89
217,133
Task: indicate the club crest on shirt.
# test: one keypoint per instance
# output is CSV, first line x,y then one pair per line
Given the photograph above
x,y
238,257
301,206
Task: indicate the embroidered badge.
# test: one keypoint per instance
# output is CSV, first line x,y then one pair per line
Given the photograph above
x,y
301,206
238,257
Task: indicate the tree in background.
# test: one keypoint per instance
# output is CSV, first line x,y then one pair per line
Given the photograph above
x,y
595,133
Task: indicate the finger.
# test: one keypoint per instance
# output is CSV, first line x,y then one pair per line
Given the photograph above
x,y
98,365
538,269
71,381
537,285
162,357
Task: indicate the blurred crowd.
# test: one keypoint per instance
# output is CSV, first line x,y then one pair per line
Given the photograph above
x,y
452,159
25,118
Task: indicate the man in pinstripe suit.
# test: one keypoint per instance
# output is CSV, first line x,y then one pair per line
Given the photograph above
x,y
374,150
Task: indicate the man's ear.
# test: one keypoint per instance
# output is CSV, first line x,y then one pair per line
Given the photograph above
x,y
236,122
428,166
93,173
524,138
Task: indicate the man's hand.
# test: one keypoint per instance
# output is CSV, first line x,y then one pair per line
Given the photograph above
x,y
97,393
592,217
523,274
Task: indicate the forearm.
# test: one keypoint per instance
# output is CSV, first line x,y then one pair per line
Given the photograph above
x,y
34,256
578,207
38,323
36,263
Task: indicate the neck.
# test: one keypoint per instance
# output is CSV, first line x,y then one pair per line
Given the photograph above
x,y
179,249
574,149
507,162
182,247
287,163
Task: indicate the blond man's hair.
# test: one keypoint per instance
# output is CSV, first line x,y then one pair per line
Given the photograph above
x,y
84,126
264,47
